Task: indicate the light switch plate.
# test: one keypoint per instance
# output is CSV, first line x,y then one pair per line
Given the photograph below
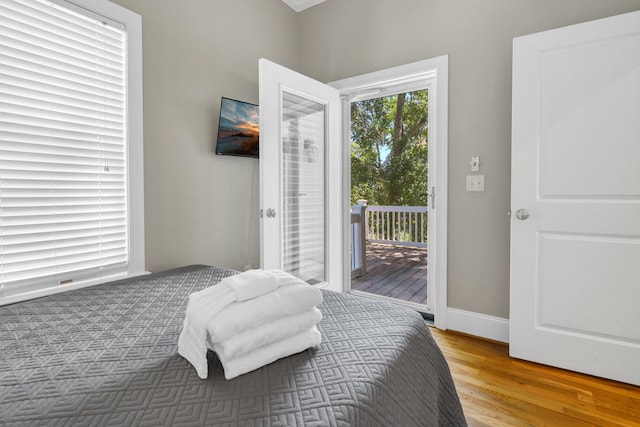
x,y
475,182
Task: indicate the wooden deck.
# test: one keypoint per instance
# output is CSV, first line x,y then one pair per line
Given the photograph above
x,y
395,271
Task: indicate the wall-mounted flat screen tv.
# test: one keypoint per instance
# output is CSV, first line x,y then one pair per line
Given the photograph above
x,y
238,129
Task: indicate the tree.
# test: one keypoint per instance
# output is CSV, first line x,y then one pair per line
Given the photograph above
x,y
389,149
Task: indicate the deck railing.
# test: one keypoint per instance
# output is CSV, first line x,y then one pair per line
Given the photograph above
x,y
398,225
406,225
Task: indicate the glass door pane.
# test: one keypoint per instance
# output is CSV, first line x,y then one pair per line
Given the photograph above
x,y
389,176
303,183
301,198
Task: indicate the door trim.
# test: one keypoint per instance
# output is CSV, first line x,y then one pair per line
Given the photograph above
x,y
410,77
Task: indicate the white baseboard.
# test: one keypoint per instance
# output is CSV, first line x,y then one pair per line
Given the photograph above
x,y
478,324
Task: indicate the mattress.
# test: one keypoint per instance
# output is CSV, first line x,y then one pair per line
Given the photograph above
x,y
107,356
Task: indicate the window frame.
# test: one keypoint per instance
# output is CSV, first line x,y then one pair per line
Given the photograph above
x,y
132,23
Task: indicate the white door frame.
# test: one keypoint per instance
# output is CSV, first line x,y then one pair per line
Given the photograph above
x,y
432,73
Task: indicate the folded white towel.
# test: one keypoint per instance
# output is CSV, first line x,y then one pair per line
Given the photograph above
x,y
240,316
252,284
286,279
204,307
272,352
270,332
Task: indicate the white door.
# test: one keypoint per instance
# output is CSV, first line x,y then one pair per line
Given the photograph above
x,y
575,260
300,176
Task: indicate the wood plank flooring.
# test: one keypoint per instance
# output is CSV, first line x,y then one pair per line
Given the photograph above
x,y
395,271
497,390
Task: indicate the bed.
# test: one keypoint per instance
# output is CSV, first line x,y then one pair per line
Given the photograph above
x,y
107,356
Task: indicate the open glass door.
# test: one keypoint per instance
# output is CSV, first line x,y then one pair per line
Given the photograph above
x,y
390,150
300,176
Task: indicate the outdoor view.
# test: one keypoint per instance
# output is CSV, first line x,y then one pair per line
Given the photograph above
x,y
389,174
389,149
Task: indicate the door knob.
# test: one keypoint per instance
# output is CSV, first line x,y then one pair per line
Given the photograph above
x,y
271,213
522,214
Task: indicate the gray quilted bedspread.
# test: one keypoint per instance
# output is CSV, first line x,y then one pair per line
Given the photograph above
x,y
107,356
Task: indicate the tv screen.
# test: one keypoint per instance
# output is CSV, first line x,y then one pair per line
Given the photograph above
x,y
238,128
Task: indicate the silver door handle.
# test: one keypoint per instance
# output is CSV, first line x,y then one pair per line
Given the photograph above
x,y
522,214
271,213
433,198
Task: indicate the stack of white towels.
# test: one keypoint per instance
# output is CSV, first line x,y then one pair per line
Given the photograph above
x,y
250,320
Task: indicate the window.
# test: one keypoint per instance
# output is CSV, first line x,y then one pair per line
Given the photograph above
x,y
71,195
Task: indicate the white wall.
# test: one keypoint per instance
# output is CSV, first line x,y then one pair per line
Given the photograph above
x,y
199,207
344,38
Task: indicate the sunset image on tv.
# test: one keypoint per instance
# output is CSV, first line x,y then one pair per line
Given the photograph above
x,y
238,129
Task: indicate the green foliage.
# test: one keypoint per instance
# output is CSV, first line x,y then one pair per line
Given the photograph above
x,y
389,150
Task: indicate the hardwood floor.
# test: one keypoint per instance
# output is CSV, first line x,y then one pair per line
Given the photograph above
x,y
497,390
395,271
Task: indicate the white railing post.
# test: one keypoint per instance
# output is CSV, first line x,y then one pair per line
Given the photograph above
x,y
359,239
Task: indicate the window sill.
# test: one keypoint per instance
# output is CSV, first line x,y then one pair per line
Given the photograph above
x,y
64,288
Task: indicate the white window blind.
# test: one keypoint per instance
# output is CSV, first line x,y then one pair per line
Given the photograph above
x,y
63,146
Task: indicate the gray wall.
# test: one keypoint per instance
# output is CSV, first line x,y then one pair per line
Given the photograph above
x,y
199,207
344,38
